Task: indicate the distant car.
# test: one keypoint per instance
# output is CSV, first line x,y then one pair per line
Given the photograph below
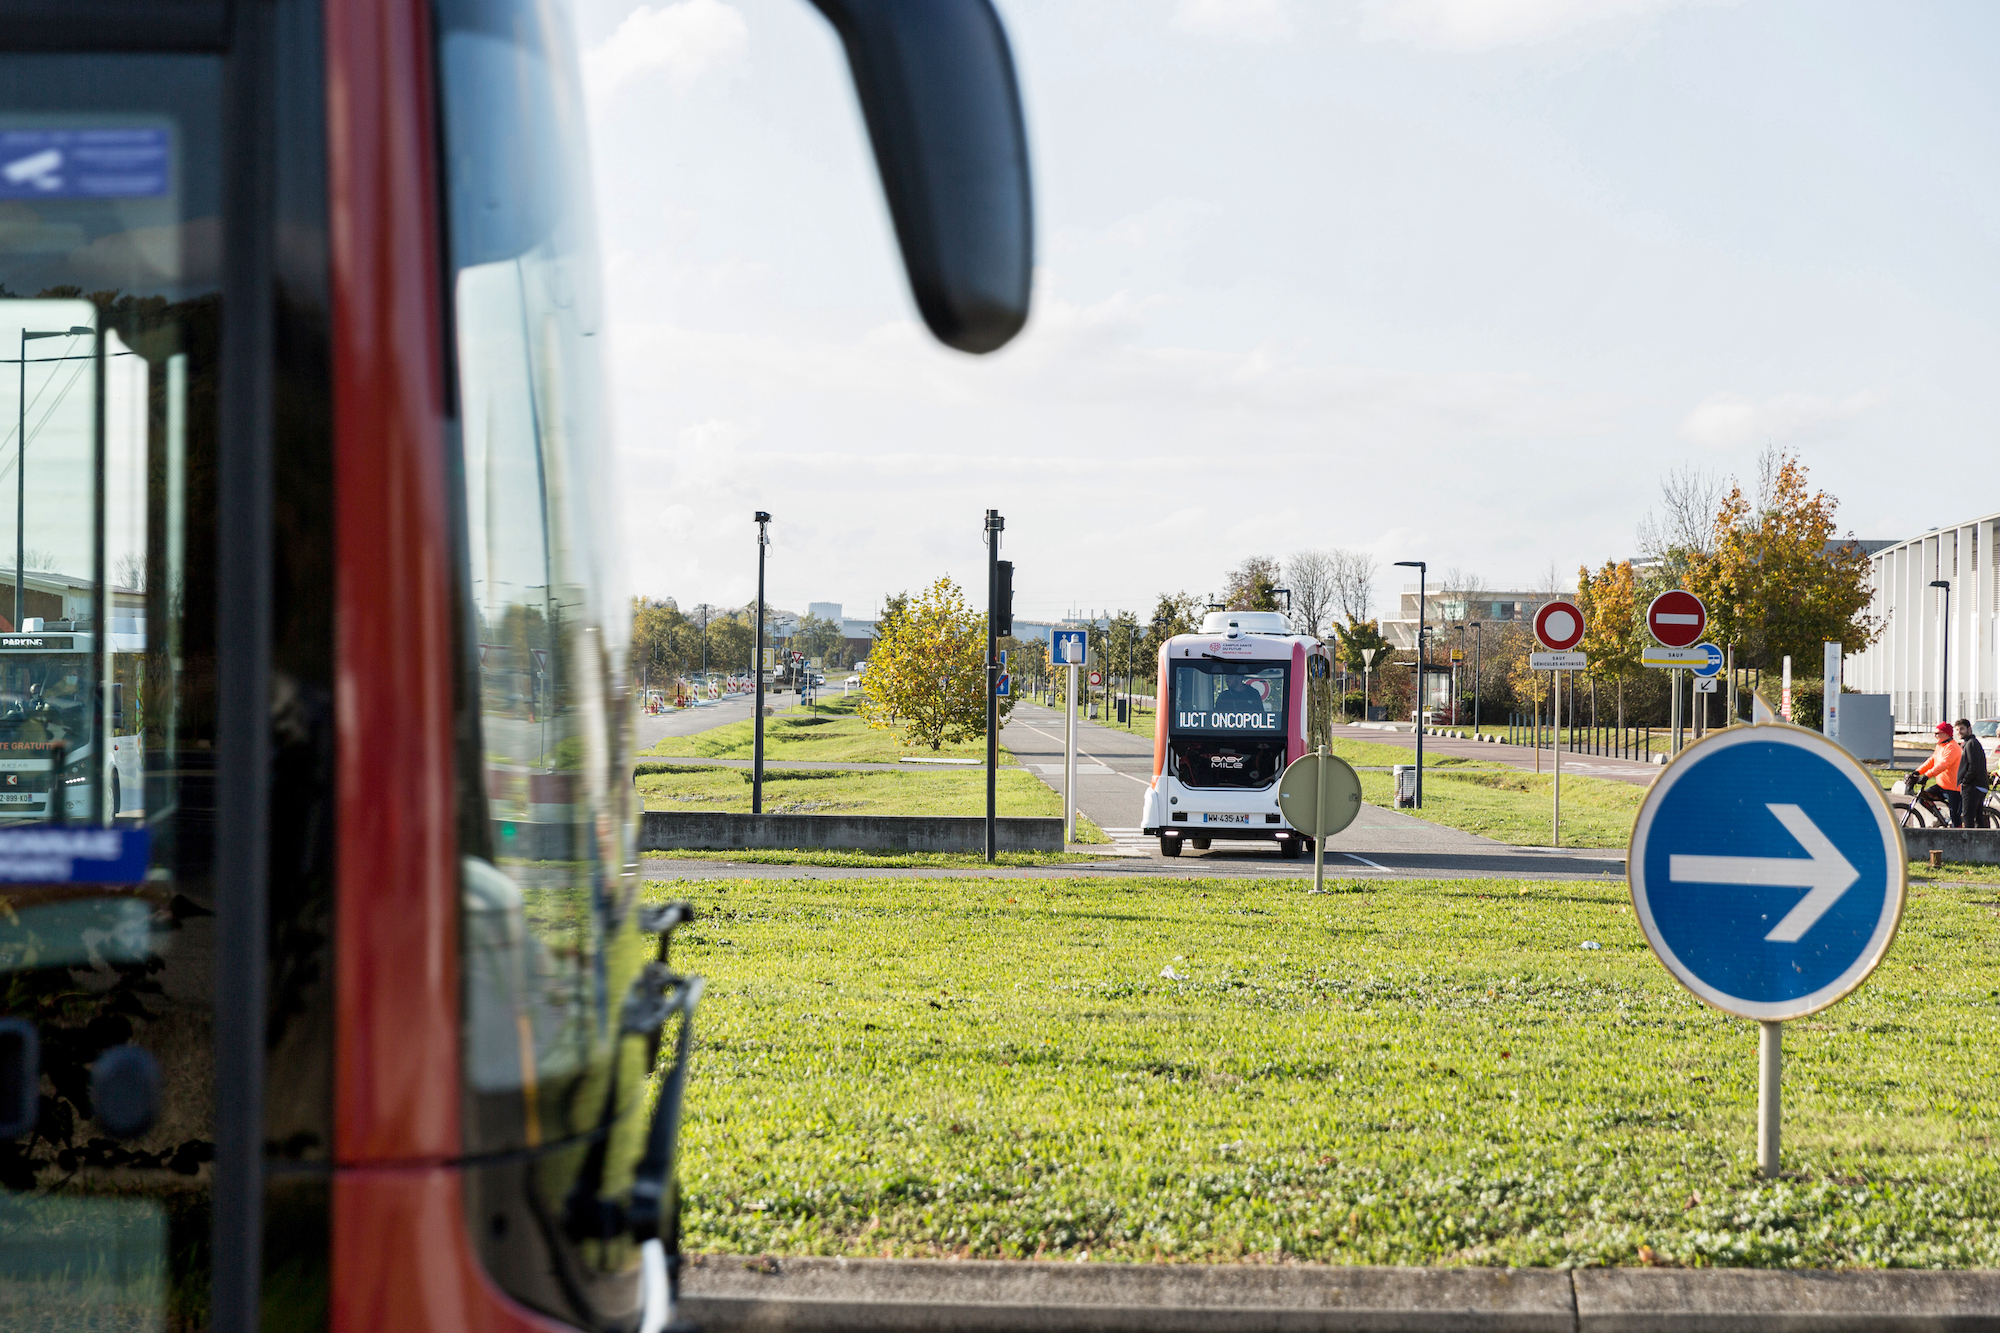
x,y
1987,729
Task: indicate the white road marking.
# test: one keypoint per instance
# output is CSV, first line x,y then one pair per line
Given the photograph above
x,y
1364,861
1825,872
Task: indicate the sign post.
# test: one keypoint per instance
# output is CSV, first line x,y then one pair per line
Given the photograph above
x,y
1676,619
1829,699
1072,649
1559,628
1319,793
1734,910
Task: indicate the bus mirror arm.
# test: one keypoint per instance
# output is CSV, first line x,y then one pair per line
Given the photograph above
x,y
937,88
654,1211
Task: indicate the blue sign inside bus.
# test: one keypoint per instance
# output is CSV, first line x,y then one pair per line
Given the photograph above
x,y
127,163
48,854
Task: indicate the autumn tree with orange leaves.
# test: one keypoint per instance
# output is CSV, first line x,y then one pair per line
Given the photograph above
x,y
1779,581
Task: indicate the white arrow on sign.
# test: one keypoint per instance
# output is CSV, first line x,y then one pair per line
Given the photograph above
x,y
1826,872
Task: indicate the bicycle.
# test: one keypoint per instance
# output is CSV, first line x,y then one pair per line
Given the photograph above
x,y
1924,806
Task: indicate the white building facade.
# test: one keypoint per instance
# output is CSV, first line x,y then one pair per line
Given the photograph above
x,y
1935,668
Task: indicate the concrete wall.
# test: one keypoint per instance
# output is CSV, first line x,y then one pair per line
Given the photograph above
x,y
1967,846
702,830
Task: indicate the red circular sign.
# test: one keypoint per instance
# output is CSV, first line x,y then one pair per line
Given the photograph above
x,y
1677,618
1559,626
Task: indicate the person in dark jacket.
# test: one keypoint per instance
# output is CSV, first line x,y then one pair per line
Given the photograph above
x,y
1973,778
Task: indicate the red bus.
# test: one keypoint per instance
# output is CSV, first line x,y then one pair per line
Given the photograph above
x,y
351,1017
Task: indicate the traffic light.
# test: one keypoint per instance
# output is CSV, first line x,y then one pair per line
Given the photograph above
x,y
1003,605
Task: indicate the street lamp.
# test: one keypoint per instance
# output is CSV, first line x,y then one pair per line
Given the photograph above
x,y
21,468
1423,572
763,522
1944,655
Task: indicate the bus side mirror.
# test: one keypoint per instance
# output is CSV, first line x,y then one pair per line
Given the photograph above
x,y
937,88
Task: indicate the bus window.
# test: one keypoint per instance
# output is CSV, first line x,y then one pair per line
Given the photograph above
x,y
553,1119
109,274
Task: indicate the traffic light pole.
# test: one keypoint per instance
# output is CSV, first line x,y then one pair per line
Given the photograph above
x,y
994,612
757,750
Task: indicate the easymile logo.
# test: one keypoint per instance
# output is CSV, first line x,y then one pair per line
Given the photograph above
x,y
1225,761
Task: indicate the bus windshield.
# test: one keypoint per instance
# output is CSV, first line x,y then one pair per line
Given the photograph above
x,y
1212,698
44,701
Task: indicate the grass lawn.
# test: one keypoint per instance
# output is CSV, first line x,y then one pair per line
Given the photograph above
x,y
833,733
1513,806
1369,754
813,856
1400,1072
805,791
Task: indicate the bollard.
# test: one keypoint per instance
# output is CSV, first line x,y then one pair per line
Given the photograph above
x,y
1937,859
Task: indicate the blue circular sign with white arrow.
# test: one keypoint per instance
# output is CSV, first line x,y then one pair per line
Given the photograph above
x,y
1767,871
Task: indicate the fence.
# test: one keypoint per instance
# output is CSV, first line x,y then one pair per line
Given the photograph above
x,y
1639,743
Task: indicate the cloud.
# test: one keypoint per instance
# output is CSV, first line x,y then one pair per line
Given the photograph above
x,y
1727,422
678,42
1166,227
1478,25
1234,20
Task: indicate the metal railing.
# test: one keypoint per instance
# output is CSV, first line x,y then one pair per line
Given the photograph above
x,y
1636,743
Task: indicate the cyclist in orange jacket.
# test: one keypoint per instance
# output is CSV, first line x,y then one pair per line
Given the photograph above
x,y
1943,765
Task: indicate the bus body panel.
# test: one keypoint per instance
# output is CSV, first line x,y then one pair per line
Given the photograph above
x,y
404,1263
397,1058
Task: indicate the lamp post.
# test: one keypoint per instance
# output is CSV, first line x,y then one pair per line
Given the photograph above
x,y
763,521
1423,571
21,468
1944,655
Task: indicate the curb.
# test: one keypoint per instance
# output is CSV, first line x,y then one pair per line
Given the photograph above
x,y
737,1294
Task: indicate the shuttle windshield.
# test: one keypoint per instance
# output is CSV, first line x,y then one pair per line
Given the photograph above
x,y
1212,698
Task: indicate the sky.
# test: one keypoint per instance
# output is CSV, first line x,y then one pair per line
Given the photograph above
x,y
1443,280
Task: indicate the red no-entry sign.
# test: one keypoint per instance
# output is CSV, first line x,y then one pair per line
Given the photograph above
x,y
1677,618
1559,626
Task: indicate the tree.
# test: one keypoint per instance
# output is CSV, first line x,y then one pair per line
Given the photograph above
x,y
819,638
1778,582
1174,613
1353,584
1311,576
1685,525
1253,585
927,670
1458,590
1357,637
1614,632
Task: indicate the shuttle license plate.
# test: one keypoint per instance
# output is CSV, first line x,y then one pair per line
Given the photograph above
x,y
19,797
1225,819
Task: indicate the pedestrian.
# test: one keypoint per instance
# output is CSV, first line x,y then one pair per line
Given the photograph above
x,y
1943,765
1973,777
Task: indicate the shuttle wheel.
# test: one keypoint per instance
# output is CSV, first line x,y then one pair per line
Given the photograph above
x,y
1170,846
1291,848
1200,844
